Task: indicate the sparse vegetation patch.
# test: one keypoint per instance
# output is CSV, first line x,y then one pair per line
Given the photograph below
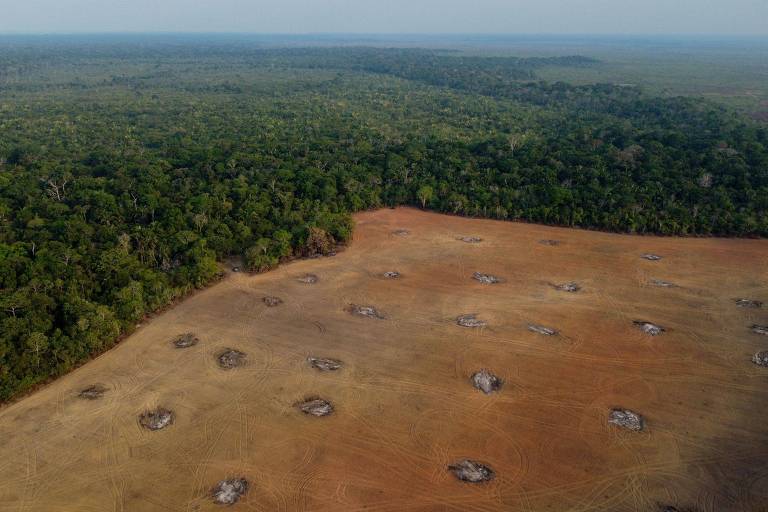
x,y
472,471
549,242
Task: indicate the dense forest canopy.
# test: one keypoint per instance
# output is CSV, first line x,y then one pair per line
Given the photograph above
x,y
128,170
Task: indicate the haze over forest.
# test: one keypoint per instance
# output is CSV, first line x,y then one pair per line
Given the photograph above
x,y
710,17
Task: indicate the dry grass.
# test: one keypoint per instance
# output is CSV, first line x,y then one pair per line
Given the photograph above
x,y
404,405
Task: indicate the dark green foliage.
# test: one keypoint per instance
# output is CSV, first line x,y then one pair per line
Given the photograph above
x,y
126,171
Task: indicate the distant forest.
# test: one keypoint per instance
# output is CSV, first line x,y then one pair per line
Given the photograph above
x,y
127,171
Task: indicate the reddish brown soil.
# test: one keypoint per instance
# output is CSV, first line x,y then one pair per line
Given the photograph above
x,y
405,408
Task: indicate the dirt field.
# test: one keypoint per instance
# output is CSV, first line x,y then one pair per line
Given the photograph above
x,y
396,405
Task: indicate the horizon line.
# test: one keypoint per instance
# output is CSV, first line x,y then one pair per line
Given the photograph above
x,y
387,34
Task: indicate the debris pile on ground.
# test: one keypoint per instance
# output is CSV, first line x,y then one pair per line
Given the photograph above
x,y
626,419
157,419
272,301
471,471
186,340
93,392
651,257
366,311
649,328
540,329
231,358
401,232
760,329
229,492
748,303
470,320
550,242
470,239
568,287
486,278
309,279
323,364
661,283
486,382
315,406
392,274
761,359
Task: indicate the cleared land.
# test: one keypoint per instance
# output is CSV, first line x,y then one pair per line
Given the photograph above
x,y
404,411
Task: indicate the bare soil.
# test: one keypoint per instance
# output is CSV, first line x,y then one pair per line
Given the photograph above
x,y
405,408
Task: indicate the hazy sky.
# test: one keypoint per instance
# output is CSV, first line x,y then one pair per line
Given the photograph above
x,y
745,17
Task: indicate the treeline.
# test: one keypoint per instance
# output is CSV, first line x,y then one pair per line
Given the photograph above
x,y
119,195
